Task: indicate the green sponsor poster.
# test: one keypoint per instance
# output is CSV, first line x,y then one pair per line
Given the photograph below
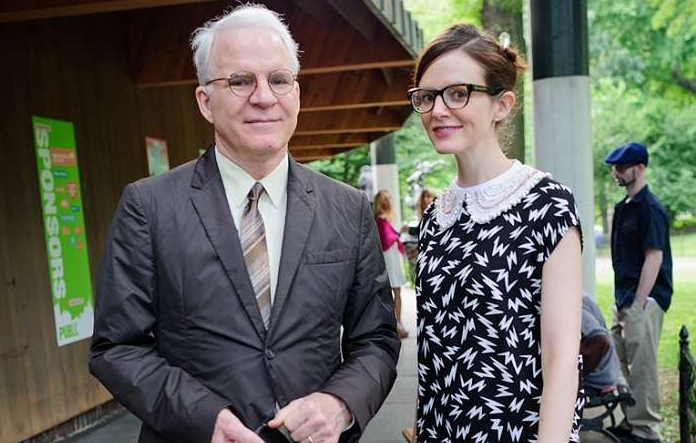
x,y
64,229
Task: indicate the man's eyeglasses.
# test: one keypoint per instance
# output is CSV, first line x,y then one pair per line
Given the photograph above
x,y
620,168
454,96
244,83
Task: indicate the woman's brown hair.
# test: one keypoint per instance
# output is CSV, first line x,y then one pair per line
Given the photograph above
x,y
502,66
422,205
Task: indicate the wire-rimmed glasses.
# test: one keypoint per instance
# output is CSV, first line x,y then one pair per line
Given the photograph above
x,y
244,83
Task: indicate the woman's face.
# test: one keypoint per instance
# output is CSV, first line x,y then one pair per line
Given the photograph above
x,y
386,202
454,131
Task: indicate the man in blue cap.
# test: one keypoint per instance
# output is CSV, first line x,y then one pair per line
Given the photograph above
x,y
642,262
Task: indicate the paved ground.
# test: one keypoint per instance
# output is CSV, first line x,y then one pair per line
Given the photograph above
x,y
396,413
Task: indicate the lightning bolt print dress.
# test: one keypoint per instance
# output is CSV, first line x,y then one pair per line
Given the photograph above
x,y
478,290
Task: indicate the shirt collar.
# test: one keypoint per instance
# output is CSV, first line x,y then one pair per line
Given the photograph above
x,y
238,182
640,195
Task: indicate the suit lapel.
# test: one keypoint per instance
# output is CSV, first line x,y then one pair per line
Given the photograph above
x,y
298,221
208,197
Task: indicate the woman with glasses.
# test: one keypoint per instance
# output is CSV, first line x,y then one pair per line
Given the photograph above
x,y
499,269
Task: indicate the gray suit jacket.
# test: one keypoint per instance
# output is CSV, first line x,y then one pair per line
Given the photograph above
x,y
178,334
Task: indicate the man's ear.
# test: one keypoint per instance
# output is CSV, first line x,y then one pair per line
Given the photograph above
x,y
504,104
203,100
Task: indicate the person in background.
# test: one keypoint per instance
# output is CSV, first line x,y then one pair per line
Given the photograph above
x,y
498,288
393,250
426,197
601,367
642,261
411,232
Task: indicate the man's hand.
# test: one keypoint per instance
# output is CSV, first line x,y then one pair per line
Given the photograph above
x,y
316,418
642,302
228,429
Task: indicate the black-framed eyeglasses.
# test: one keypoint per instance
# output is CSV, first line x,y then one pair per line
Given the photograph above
x,y
620,168
454,96
244,83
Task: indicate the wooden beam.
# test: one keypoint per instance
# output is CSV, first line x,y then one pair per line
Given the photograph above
x,y
354,118
388,76
317,153
307,156
335,48
346,106
353,90
348,130
380,65
330,145
359,16
313,158
15,11
319,11
403,63
332,139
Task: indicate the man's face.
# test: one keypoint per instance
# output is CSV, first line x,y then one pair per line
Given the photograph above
x,y
258,126
624,174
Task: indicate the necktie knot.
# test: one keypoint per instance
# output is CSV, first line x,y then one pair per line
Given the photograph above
x,y
255,194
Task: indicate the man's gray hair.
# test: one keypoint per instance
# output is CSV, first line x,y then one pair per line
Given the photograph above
x,y
245,15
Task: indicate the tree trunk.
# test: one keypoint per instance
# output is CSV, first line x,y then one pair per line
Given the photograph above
x,y
496,18
688,84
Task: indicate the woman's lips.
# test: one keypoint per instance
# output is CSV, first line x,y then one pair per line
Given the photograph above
x,y
445,131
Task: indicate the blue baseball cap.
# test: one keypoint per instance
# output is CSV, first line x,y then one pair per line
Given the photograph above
x,y
632,153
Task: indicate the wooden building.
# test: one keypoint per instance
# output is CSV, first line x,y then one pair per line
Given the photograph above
x,y
121,70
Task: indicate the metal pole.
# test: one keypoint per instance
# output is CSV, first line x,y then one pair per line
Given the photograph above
x,y
686,379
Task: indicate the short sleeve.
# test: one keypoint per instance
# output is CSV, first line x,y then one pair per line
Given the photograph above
x,y
654,228
559,215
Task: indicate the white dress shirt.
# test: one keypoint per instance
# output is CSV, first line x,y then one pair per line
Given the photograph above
x,y
272,204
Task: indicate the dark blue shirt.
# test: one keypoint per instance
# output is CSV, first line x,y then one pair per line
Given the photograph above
x,y
640,223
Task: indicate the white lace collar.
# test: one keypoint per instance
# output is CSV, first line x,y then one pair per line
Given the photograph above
x,y
487,200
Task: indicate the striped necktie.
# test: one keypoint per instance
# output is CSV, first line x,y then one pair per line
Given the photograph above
x,y
253,240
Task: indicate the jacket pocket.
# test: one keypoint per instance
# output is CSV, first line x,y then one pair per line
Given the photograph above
x,y
325,257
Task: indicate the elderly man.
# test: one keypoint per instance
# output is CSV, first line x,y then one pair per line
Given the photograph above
x,y
226,281
642,261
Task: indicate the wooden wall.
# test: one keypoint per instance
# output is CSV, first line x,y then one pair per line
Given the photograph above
x,y
74,69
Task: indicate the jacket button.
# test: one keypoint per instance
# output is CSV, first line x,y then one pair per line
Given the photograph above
x,y
270,354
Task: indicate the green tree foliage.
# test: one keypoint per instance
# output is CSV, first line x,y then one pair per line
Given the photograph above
x,y
642,61
435,16
344,167
645,45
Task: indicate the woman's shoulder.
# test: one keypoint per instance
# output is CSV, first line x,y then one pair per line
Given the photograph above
x,y
550,190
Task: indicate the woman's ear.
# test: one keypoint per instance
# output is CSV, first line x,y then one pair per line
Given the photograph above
x,y
504,105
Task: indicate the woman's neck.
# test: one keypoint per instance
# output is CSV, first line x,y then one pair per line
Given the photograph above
x,y
481,164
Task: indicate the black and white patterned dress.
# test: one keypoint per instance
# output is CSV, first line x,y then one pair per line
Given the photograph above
x,y
478,292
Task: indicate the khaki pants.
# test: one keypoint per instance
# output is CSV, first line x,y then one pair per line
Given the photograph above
x,y
636,335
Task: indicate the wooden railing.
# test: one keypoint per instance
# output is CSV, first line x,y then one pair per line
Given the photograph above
x,y
687,391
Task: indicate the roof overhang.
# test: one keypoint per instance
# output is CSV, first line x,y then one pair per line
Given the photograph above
x,y
356,57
